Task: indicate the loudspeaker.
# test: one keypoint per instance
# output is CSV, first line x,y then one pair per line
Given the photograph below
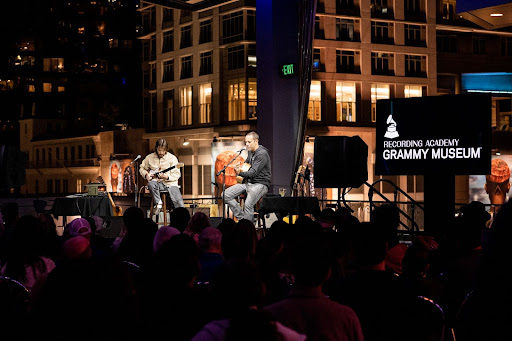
x,y
111,227
215,221
340,162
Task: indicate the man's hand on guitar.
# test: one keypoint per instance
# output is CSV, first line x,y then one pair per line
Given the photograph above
x,y
163,176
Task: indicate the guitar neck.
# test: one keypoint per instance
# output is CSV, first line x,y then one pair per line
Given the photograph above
x,y
179,165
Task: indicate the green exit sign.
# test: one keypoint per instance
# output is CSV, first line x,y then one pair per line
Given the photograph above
x,y
287,70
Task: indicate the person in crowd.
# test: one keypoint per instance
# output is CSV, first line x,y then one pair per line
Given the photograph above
x,y
307,309
132,220
237,290
24,260
210,245
497,183
241,242
196,224
163,234
256,180
137,245
77,227
161,170
179,218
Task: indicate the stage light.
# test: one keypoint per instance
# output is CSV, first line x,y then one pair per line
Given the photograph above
x,y
186,142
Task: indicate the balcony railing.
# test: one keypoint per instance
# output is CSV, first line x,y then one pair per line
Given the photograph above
x,y
91,162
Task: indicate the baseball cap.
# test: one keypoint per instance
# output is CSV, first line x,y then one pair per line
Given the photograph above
x,y
79,227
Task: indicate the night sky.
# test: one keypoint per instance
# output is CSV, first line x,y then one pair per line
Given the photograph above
x,y
468,5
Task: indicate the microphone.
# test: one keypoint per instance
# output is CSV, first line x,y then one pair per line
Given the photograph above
x,y
241,150
137,158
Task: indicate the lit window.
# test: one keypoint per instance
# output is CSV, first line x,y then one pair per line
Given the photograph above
x,y
253,102
61,88
236,100
346,101
413,91
315,102
47,87
186,105
205,102
379,91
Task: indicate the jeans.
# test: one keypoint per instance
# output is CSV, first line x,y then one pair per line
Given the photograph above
x,y
254,193
156,187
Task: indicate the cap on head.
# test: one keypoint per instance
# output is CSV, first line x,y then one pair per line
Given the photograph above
x,y
500,172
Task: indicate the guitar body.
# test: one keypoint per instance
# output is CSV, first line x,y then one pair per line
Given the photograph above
x,y
118,211
244,168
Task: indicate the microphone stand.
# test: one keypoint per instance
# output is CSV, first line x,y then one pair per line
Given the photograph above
x,y
223,171
136,171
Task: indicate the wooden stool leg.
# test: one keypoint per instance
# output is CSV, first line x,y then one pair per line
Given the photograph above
x,y
164,207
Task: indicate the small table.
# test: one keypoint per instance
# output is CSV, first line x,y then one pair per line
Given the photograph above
x,y
84,206
289,206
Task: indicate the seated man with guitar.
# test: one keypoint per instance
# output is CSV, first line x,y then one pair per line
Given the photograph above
x,y
255,181
162,170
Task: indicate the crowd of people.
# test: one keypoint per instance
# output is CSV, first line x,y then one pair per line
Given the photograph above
x,y
326,277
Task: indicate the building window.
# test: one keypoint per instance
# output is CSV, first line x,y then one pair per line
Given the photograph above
x,y
205,102
87,151
79,186
186,105
344,5
65,186
379,6
413,35
315,101
319,33
168,41
153,75
379,91
57,186
37,155
65,153
345,62
186,36
153,117
317,65
251,25
236,100
413,91
146,53
380,32
251,55
186,67
448,10
53,64
153,47
506,46
37,186
232,27
145,78
345,101
205,31
80,149
206,67
412,7
167,16
204,182
236,56
47,87
413,65
169,107
49,186
253,98
381,63
478,45
447,43
168,71
344,29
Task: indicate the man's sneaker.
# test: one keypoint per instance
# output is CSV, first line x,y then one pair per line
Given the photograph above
x,y
156,209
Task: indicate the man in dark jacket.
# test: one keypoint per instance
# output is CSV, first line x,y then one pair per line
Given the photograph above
x,y
256,180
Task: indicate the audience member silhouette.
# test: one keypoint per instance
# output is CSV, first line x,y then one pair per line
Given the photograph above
x,y
163,234
241,242
196,224
306,309
237,291
210,245
132,219
137,244
170,303
91,298
179,218
24,259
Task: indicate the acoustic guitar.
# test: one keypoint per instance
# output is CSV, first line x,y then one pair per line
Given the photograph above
x,y
243,168
296,182
118,211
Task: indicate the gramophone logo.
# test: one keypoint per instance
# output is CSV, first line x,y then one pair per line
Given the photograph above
x,y
391,132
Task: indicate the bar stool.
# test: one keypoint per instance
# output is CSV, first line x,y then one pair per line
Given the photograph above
x,y
163,196
259,220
